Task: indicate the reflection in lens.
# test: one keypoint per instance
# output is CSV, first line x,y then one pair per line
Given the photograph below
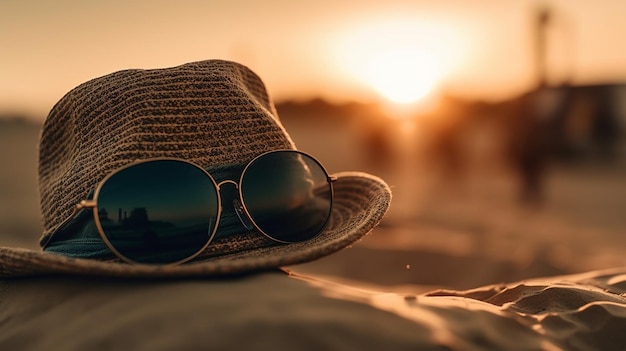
x,y
287,195
159,211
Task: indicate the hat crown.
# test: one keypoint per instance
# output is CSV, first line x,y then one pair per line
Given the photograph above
x,y
212,113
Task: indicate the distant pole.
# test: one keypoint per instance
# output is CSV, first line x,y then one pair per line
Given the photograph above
x,y
542,20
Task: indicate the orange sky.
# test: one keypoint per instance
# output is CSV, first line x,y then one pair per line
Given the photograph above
x,y
481,48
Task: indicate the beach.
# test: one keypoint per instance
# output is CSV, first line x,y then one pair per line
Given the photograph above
x,y
471,230
275,310
454,265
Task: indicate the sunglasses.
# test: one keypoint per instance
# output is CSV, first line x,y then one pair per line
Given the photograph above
x,y
167,210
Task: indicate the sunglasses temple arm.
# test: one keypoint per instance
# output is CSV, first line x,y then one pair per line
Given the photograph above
x,y
79,207
85,204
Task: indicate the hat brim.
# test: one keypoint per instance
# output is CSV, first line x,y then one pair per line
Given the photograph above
x,y
360,202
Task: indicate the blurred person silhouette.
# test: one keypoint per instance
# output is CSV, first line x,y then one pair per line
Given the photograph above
x,y
606,129
530,137
377,135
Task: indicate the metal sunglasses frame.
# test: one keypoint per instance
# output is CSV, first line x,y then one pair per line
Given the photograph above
x,y
238,204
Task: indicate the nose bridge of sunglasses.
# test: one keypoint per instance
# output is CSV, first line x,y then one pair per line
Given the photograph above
x,y
231,196
241,213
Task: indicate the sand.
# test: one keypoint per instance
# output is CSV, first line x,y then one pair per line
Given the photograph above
x,y
450,268
277,311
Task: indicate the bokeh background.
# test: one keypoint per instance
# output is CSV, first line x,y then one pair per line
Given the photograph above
x,y
500,125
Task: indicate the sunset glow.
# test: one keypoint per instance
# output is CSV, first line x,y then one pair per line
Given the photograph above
x,y
398,52
402,61
403,76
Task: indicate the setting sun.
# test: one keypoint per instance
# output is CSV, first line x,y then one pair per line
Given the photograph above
x,y
402,60
403,76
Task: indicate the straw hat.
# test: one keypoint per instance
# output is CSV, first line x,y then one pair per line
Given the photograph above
x,y
211,113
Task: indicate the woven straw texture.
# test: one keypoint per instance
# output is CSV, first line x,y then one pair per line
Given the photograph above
x,y
360,203
210,112
214,113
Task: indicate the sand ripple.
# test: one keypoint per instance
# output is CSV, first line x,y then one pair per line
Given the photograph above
x,y
575,312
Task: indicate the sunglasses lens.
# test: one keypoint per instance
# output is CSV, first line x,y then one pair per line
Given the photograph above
x,y
288,195
161,211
